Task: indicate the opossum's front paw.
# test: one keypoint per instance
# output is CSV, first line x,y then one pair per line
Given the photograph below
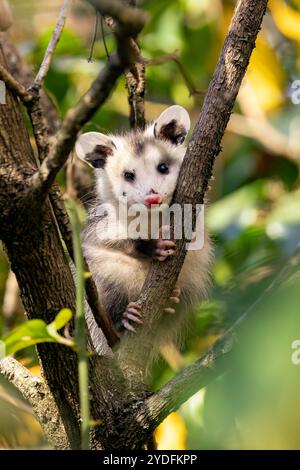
x,y
132,314
174,299
164,247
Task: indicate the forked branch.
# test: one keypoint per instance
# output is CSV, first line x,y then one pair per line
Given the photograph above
x,y
195,174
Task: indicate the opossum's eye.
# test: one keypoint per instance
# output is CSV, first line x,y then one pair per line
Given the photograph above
x,y
163,168
129,176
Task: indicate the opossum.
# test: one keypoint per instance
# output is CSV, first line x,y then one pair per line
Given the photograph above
x,y
138,167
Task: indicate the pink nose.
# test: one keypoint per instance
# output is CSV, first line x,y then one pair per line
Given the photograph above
x,y
152,199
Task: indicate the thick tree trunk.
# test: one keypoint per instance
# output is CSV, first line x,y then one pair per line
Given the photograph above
x,y
36,256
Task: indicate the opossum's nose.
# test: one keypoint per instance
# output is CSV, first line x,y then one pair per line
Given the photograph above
x,y
153,198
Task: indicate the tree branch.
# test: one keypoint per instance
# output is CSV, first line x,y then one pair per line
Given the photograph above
x,y
194,175
135,78
41,75
39,396
189,381
135,83
274,141
94,98
14,85
214,362
23,73
130,20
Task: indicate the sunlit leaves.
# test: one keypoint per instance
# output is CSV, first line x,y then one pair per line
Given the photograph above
x,y
37,331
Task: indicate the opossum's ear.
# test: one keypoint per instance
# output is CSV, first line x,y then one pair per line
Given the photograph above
x,y
173,124
94,148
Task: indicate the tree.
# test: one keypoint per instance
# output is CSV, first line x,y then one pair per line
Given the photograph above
x,y
124,412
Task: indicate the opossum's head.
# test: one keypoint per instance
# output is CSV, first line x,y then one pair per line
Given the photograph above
x,y
138,167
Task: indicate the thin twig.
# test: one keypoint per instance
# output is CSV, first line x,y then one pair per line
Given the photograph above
x,y
15,86
103,38
80,329
90,57
42,73
135,84
39,126
174,58
23,73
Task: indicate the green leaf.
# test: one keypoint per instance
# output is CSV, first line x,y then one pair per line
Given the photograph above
x,y
61,319
37,331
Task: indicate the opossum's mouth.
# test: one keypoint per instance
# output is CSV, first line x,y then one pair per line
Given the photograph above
x,y
153,199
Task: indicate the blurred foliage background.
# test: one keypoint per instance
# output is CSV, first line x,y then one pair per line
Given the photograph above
x,y
253,214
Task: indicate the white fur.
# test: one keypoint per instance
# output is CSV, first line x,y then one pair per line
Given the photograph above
x,y
117,266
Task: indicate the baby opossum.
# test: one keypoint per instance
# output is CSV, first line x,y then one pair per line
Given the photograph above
x,y
139,167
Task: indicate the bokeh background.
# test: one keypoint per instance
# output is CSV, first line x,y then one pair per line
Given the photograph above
x,y
253,214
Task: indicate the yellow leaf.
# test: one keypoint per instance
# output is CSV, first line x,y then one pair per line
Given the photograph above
x,y
286,18
266,76
171,433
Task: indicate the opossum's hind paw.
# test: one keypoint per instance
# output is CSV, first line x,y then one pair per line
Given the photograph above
x,y
174,299
132,314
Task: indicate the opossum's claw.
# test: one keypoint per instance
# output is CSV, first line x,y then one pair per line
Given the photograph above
x,y
131,316
132,313
175,299
209,186
175,296
128,327
169,310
